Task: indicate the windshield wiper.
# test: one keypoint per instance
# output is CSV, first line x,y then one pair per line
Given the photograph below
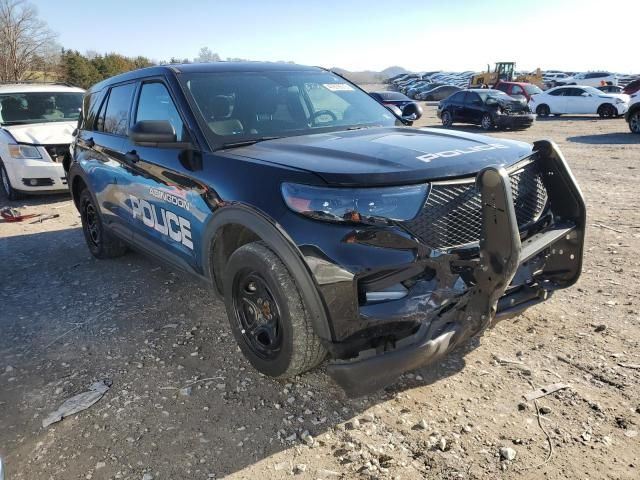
x,y
245,143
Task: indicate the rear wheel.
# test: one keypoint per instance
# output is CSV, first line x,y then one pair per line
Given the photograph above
x,y
267,314
543,110
447,119
102,244
634,122
607,111
7,189
487,122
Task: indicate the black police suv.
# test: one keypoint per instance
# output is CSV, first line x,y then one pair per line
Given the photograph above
x,y
328,226
485,107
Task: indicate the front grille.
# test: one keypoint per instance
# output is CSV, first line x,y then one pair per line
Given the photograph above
x,y
452,216
57,152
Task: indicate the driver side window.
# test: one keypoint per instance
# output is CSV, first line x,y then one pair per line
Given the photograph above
x,y
155,103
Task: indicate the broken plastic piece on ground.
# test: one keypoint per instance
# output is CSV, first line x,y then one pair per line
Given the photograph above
x,y
13,214
76,404
542,391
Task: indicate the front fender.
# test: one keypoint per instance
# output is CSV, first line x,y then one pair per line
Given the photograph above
x,y
277,239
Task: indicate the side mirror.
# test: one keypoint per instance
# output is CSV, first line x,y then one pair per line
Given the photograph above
x,y
411,112
585,94
152,132
489,101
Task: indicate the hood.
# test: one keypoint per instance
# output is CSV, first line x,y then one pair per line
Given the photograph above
x,y
513,103
388,156
43,133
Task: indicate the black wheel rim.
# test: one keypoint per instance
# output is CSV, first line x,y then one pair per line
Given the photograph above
x,y
92,224
258,315
634,122
486,122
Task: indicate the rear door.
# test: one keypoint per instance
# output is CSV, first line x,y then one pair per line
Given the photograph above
x,y
102,144
557,100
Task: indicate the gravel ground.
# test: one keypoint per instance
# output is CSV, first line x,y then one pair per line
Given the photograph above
x,y
184,404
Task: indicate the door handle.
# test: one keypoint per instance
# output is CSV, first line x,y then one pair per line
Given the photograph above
x,y
132,157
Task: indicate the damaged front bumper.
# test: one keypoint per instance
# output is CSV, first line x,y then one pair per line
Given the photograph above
x,y
508,276
514,120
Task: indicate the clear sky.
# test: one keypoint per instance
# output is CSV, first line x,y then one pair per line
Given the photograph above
x,y
358,35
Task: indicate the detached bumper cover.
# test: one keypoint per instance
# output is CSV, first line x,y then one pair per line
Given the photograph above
x,y
490,298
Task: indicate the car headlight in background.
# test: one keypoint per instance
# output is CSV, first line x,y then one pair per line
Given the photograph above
x,y
356,204
24,151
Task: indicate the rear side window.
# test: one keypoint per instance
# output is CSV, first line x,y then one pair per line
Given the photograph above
x,y
155,103
559,92
517,90
114,114
503,87
458,97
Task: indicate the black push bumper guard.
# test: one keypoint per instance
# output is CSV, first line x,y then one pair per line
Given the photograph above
x,y
490,298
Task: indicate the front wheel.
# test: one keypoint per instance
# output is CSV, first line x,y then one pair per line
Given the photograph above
x,y
487,122
8,190
102,244
267,314
543,110
607,111
634,122
447,119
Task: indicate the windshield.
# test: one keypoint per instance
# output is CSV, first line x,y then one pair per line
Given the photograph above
x,y
243,106
38,107
532,89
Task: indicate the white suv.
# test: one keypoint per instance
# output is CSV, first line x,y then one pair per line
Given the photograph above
x,y
36,127
590,79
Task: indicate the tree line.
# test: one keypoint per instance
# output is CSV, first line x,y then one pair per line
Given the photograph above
x,y
29,52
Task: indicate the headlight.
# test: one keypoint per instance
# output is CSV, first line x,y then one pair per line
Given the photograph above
x,y
24,151
356,204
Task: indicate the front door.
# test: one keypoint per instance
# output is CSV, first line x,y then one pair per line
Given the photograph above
x,y
168,210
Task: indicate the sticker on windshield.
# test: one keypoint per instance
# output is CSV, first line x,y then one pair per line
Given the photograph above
x,y
338,87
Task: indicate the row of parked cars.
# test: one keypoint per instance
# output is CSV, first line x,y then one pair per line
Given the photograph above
x,y
610,82
515,105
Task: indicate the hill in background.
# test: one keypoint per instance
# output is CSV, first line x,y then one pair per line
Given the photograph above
x,y
369,76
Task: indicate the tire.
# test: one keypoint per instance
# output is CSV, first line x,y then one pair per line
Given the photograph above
x,y
447,119
634,122
543,110
102,244
6,186
487,122
606,110
267,314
